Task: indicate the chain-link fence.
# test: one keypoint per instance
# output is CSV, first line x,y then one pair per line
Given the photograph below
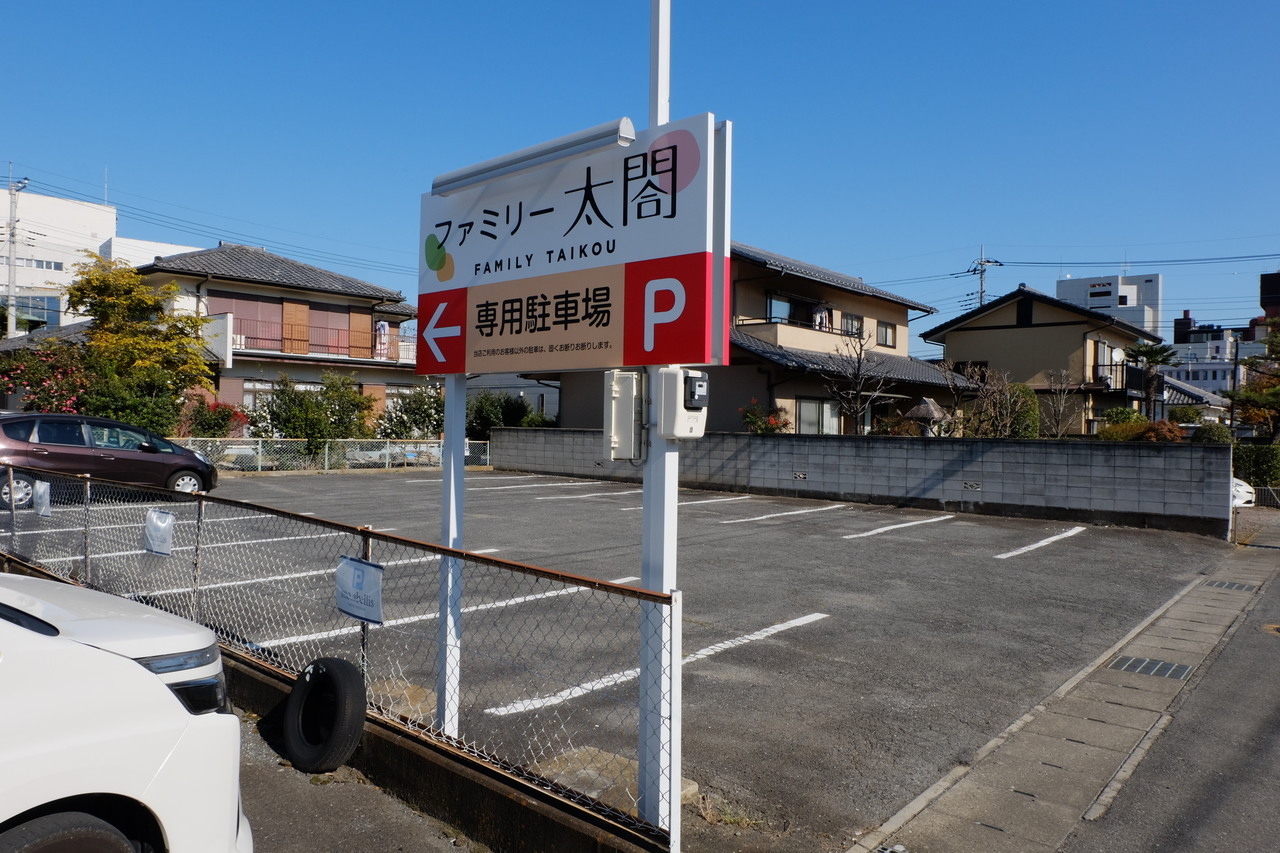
x,y
538,672
300,454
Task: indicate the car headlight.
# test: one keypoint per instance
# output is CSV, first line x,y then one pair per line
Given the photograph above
x,y
203,694
199,455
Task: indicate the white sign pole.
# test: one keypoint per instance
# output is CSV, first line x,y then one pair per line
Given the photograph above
x,y
659,747
453,462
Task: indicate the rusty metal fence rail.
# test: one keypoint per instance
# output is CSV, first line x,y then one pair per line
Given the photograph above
x,y
528,669
298,454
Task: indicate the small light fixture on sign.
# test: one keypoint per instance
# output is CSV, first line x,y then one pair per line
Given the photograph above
x,y
620,132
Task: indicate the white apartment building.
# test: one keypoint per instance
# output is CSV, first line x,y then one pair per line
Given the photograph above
x,y
1136,299
46,239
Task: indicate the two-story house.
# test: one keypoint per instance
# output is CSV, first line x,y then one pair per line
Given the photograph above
x,y
273,315
1055,347
801,338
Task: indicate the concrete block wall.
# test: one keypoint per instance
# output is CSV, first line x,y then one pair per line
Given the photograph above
x,y
1171,486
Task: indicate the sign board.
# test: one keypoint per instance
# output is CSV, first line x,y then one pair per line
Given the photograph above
x,y
607,259
359,589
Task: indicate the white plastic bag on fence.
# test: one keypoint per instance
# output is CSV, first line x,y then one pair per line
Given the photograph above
x,y
40,499
157,533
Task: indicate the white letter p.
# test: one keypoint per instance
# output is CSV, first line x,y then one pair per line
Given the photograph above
x,y
653,317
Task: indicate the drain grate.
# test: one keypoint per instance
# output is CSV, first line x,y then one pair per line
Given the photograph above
x,y
1147,666
1240,587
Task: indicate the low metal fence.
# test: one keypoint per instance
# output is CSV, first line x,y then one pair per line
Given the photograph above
x,y
540,673
1268,496
298,454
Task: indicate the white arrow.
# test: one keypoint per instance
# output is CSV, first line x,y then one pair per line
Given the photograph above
x,y
430,333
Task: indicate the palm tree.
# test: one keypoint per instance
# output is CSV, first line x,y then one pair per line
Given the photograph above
x,y
1152,357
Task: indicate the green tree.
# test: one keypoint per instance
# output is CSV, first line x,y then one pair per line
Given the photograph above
x,y
336,410
138,358
1151,357
144,397
1124,415
1212,433
489,409
135,326
418,414
1185,414
1025,422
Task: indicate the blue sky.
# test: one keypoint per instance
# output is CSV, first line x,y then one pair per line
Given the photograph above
x,y
886,140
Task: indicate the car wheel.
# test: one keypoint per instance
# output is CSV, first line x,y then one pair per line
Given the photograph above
x,y
23,490
324,715
186,481
67,832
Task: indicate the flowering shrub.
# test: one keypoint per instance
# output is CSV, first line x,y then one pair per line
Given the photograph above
x,y
761,421
50,378
211,420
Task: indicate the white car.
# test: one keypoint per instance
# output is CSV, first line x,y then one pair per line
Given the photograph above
x,y
115,730
1242,493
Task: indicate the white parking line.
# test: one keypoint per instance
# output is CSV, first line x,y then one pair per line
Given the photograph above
x,y
1072,532
623,677
589,495
525,486
441,479
897,527
409,620
192,547
780,514
247,582
690,503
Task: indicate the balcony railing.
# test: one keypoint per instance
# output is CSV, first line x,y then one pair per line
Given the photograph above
x,y
269,336
1124,377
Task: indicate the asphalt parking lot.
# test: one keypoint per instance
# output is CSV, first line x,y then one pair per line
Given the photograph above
x,y
880,647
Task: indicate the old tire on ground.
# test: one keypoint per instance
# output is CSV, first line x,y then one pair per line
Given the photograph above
x,y
324,715
65,832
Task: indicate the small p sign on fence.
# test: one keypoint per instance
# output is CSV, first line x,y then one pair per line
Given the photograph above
x,y
359,584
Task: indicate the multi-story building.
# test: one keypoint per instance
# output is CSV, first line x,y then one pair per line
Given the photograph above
x,y
273,315
48,237
1136,299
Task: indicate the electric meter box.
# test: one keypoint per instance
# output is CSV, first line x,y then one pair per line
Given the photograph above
x,y
682,397
623,414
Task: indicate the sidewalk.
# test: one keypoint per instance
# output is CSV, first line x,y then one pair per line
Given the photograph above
x,y
1067,759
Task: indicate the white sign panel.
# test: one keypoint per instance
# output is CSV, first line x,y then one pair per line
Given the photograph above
x,y
359,585
603,260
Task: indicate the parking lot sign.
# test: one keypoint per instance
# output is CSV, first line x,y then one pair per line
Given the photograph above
x,y
608,259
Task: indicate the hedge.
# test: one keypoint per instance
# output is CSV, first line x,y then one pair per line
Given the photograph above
x,y
1257,464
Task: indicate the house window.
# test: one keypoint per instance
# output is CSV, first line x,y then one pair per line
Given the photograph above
x,y
793,310
851,325
817,417
886,334
256,392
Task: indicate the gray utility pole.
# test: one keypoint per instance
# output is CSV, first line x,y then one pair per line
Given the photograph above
x,y
979,269
14,189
